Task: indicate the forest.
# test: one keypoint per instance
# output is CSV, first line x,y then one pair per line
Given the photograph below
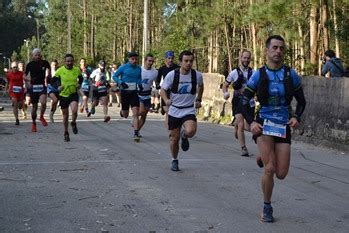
x,y
215,30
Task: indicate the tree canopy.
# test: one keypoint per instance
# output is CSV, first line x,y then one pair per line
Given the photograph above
x,y
215,30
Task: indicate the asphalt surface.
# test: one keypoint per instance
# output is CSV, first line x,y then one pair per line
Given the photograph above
x,y
103,181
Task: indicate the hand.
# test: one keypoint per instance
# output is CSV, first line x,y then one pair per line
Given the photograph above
x,y
293,122
124,85
198,104
256,128
168,102
226,95
60,88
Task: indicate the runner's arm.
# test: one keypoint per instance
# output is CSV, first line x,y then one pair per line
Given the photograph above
x,y
248,94
301,103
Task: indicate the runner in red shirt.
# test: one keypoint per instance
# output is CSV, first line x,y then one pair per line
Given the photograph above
x,y
16,90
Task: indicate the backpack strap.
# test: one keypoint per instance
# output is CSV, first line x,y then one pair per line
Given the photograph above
x,y
263,87
249,74
288,82
175,83
238,83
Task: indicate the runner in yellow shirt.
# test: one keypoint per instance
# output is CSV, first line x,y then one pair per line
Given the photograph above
x,y
69,78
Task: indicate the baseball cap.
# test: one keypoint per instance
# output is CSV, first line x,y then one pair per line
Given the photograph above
x,y
132,54
169,54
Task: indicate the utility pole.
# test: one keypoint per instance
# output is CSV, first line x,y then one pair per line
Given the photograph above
x,y
69,28
145,30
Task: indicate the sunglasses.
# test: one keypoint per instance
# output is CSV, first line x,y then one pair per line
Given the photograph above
x,y
14,67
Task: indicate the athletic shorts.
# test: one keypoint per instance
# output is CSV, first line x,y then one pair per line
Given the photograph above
x,y
85,93
276,139
98,95
35,96
145,102
18,96
174,122
237,108
129,98
55,93
64,102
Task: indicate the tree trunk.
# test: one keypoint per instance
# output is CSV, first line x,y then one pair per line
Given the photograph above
x,y
324,17
301,46
85,40
92,43
335,28
254,45
68,28
227,44
313,33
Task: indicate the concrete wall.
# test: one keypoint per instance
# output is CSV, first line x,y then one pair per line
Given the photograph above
x,y
324,122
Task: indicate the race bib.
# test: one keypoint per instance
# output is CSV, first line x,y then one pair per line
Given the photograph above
x,y
85,87
273,129
17,89
102,89
131,86
38,88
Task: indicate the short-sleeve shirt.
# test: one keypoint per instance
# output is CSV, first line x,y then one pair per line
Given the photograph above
x,y
184,97
148,77
277,109
15,80
98,77
69,80
37,70
234,75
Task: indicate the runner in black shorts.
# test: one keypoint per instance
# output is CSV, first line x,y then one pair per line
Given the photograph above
x,y
36,73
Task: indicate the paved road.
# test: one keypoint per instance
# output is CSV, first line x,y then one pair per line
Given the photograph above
x,y
102,181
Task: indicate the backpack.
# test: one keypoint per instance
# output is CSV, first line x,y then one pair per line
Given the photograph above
x,y
345,72
175,84
263,86
237,85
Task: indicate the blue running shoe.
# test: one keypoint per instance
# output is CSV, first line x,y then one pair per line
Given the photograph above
x,y
267,215
174,165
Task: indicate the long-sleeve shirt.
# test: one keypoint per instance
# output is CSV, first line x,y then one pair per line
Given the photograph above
x,y
128,73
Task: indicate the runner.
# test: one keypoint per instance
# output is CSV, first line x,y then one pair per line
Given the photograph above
x,y
275,84
52,90
36,73
149,75
114,88
16,90
100,90
69,78
128,77
85,87
163,71
25,106
186,88
238,77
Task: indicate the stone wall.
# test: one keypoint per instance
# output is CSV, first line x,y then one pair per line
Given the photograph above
x,y
324,122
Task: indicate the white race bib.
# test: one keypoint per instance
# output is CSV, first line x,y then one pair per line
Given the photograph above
x,y
131,86
17,89
273,129
38,88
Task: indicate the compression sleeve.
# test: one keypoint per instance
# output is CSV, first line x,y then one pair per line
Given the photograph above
x,y
301,102
245,105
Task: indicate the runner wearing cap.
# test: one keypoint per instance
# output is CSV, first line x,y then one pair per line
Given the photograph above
x,y
100,91
128,77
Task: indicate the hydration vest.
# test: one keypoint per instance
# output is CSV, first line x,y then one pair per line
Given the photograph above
x,y
175,83
263,86
237,85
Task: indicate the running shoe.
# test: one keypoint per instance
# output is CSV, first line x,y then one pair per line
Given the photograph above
x,y
136,138
34,128
43,121
24,113
259,161
17,122
107,118
74,127
66,137
267,215
121,115
88,114
51,117
110,105
174,165
185,142
244,151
